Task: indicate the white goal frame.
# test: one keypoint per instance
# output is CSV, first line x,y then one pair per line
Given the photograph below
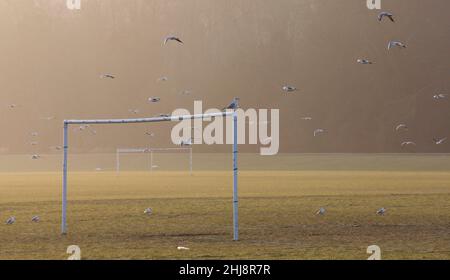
x,y
150,151
67,123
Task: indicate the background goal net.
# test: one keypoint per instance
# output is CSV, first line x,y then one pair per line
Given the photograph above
x,y
153,159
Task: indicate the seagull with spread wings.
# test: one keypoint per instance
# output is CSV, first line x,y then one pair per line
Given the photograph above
x,y
399,44
385,14
288,88
401,127
107,76
408,143
440,96
439,141
172,38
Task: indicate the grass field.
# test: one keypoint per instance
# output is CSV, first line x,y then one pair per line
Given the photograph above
x,y
277,218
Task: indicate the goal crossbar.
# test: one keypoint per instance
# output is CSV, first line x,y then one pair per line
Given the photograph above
x,y
67,123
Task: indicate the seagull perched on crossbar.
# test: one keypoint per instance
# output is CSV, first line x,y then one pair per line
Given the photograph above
x,y
10,221
233,105
172,38
392,44
386,14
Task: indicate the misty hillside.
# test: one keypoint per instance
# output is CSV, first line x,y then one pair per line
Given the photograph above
x,y
52,58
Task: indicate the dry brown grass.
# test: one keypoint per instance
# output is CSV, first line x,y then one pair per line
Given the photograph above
x,y
276,215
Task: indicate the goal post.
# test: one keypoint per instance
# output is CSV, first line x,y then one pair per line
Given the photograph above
x,y
151,152
229,113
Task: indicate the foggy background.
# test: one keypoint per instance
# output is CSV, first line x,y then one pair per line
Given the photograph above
x,y
52,57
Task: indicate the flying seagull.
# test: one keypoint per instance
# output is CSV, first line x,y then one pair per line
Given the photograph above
x,y
386,14
185,143
318,131
154,99
35,157
172,38
401,127
107,76
392,44
10,221
148,211
408,143
163,79
321,211
439,141
289,88
12,106
151,134
381,211
440,96
182,248
233,105
364,61
36,219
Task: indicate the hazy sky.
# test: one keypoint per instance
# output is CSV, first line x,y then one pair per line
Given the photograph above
x,y
51,59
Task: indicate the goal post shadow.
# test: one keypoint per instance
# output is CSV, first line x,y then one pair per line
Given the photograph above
x,y
67,123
